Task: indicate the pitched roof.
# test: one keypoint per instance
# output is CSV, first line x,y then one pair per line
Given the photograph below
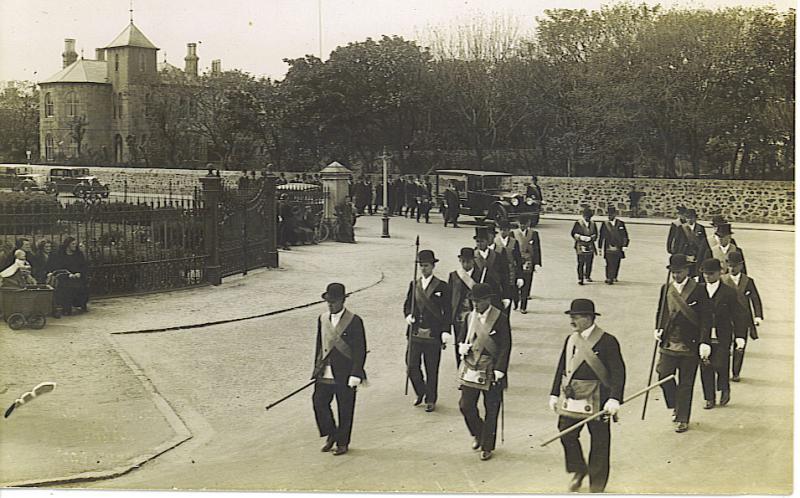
x,y
131,37
169,68
81,71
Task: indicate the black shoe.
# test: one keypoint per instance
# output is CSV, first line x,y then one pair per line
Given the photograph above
x,y
419,399
580,282
576,481
589,279
609,281
735,378
725,398
682,427
341,449
430,407
486,455
710,403
523,311
616,280
328,444
476,443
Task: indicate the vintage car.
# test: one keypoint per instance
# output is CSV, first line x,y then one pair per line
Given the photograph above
x,y
34,182
11,176
485,195
78,181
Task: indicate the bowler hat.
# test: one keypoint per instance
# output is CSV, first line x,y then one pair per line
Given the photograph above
x,y
481,291
718,220
691,213
677,262
711,265
482,233
581,307
588,210
426,256
334,292
612,209
525,218
467,253
724,229
503,224
735,258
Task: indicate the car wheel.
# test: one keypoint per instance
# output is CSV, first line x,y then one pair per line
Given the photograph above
x,y
78,192
16,321
51,189
497,213
37,321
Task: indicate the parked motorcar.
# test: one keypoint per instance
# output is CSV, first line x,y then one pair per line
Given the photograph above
x,y
34,182
78,181
486,195
10,176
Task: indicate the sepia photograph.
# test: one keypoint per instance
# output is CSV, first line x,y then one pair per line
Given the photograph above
x,y
397,246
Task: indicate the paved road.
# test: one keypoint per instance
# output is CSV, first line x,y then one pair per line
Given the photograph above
x,y
218,379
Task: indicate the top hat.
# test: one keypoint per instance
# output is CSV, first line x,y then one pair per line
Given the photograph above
x,y
467,253
735,258
724,229
481,291
587,210
718,220
482,233
503,224
612,209
334,292
525,218
711,265
581,307
691,213
426,256
678,262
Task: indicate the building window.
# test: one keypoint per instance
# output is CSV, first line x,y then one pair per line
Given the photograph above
x,y
147,104
117,148
48,105
119,105
116,62
72,104
49,147
141,62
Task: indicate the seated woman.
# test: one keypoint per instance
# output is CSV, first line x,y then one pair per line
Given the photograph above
x,y
39,261
71,289
18,274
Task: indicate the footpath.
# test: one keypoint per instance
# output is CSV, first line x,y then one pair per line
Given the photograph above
x,y
105,418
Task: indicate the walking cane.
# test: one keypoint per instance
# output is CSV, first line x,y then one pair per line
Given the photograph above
x,y
661,301
413,306
502,418
290,395
605,412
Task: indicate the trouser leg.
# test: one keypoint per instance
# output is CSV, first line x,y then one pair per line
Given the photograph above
x,y
321,399
491,403
346,404
687,372
668,365
468,405
589,261
721,362
738,359
573,453
580,267
415,367
432,357
599,454
612,266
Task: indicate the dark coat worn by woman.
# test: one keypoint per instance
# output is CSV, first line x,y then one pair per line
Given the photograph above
x,y
70,292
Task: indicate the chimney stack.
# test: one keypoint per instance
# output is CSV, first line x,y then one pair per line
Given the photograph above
x,y
191,59
216,66
69,55
100,54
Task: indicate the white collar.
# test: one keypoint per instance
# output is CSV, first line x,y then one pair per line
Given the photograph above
x,y
712,288
485,254
337,316
588,331
725,249
691,225
505,240
736,278
426,281
492,246
680,285
485,315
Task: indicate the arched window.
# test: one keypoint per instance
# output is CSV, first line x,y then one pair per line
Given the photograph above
x,y
116,62
48,105
118,148
72,104
49,147
119,105
141,61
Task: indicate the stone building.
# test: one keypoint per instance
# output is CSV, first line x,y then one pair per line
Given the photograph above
x,y
101,109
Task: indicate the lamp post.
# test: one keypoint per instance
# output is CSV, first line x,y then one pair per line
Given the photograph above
x,y
384,157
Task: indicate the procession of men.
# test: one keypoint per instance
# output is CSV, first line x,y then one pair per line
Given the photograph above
x,y
705,312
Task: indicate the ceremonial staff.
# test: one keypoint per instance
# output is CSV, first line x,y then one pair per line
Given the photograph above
x,y
662,300
605,412
290,394
413,308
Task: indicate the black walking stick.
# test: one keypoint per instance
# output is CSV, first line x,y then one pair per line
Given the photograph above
x,y
661,301
290,395
413,309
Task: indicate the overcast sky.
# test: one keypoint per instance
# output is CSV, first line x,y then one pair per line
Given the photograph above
x,y
252,35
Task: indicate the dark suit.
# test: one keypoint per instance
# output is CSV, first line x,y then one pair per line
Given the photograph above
x,y
693,243
613,241
608,352
342,367
750,300
679,346
584,249
496,265
485,430
730,321
429,351
514,261
672,237
460,304
531,252
453,207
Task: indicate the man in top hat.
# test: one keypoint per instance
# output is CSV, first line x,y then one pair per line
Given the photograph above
x,y
675,229
506,243
692,241
427,312
452,205
613,241
495,263
750,300
531,254
725,247
461,283
338,368
584,231
590,377
728,327
683,323
485,353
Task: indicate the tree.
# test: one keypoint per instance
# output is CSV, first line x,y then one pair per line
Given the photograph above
x,y
19,122
77,130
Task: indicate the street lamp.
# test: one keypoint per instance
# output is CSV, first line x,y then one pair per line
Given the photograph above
x,y
384,157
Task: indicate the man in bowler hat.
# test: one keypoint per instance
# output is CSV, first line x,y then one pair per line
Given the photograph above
x,y
691,241
339,358
590,376
584,232
613,241
750,300
531,254
428,329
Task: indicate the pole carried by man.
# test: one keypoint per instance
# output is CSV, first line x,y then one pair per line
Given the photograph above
x,y
427,312
590,377
750,300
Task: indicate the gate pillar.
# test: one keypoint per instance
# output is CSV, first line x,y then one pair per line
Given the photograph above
x,y
212,191
334,181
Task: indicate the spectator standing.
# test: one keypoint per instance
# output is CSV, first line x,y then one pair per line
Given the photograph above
x,y
72,290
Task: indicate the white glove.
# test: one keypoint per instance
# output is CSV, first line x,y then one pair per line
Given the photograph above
x,y
740,343
498,375
657,333
586,238
611,406
705,351
463,348
506,302
410,319
445,337
520,283
353,381
757,320
553,402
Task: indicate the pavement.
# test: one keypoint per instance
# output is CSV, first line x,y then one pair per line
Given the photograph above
x,y
152,398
